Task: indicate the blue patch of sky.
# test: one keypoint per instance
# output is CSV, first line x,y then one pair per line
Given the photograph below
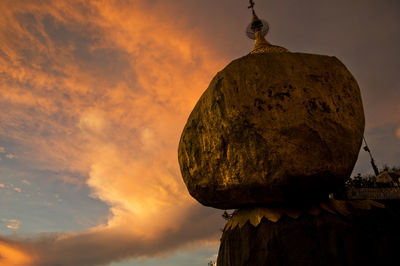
x,y
195,256
42,202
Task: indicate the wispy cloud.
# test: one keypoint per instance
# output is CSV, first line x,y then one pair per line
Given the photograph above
x,y
102,245
10,156
213,257
103,89
12,255
26,182
12,223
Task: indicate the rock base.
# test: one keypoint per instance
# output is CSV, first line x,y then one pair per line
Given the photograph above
x,y
364,237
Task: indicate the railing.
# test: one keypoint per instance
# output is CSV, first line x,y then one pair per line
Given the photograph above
x,y
383,193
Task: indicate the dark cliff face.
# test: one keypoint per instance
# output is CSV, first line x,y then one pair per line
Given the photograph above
x,y
365,237
272,127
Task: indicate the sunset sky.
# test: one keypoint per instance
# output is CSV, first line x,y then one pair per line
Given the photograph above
x,y
94,96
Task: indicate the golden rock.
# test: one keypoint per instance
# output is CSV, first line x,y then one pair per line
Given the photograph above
x,y
272,127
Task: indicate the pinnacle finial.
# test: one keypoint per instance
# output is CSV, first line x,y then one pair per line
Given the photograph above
x,y
251,6
257,30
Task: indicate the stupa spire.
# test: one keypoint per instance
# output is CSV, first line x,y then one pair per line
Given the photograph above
x,y
252,6
257,30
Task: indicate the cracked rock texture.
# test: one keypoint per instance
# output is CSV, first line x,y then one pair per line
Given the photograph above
x,y
272,127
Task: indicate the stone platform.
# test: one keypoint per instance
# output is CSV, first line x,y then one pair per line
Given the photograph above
x,y
358,236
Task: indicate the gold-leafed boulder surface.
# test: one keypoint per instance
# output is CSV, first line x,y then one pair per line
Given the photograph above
x,y
272,127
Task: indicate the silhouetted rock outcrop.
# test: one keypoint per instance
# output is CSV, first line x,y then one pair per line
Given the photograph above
x,y
363,237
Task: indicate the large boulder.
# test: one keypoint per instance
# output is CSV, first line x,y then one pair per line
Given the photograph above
x,y
272,127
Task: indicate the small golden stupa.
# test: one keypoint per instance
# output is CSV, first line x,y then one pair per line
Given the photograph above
x,y
257,31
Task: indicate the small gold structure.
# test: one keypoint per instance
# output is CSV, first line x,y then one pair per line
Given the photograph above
x,y
254,215
257,30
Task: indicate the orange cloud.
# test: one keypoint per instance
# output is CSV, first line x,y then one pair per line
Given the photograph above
x,y
398,133
103,88
12,224
103,245
12,255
